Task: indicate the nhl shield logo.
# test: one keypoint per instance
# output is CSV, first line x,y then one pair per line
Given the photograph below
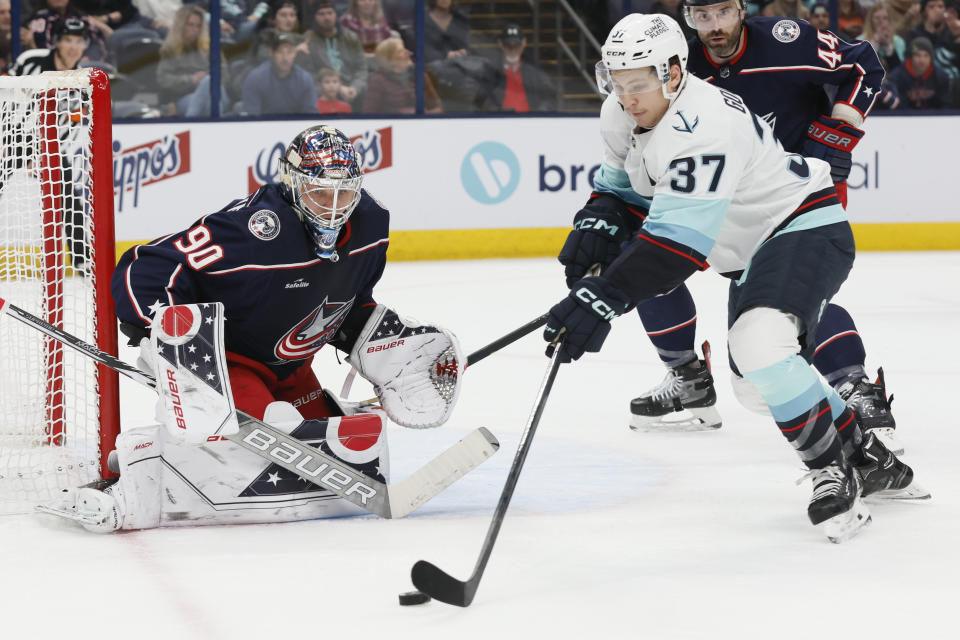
x,y
264,224
786,31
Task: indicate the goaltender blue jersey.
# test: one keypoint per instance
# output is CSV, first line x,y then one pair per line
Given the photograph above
x,y
281,302
785,69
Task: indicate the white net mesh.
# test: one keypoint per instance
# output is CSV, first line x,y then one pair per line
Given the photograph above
x,y
49,413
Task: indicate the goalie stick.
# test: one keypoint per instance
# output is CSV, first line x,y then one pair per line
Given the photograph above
x,y
438,584
311,464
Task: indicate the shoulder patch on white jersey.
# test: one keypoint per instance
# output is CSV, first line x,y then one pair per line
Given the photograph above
x,y
264,224
786,31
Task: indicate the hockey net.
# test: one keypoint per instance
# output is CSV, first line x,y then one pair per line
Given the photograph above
x,y
59,413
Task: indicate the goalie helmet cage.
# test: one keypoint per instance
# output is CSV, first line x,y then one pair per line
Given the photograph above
x,y
59,412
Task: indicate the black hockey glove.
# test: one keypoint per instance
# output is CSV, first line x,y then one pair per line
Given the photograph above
x,y
596,238
584,316
832,140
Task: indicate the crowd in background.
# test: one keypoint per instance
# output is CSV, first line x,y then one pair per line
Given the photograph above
x,y
355,56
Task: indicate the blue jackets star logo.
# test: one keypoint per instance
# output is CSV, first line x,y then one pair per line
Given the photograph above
x,y
314,331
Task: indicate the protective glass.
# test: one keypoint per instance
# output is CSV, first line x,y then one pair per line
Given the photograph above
x,y
622,82
712,17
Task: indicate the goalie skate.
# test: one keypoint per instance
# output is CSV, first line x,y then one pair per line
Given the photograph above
x,y
836,507
684,401
94,506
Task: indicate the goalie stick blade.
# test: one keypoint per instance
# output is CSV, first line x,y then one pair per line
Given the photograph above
x,y
441,586
441,472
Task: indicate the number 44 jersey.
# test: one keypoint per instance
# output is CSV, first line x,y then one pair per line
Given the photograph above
x,y
720,182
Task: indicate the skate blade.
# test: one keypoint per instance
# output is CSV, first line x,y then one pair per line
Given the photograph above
x,y
888,437
844,526
913,491
693,419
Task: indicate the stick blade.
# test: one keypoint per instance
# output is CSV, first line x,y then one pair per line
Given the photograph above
x,y
440,585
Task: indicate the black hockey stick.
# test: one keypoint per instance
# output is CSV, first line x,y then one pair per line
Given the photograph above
x,y
311,464
440,585
506,340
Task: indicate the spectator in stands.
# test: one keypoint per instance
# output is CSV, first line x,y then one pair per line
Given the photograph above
x,y
38,28
328,86
365,20
932,25
934,28
787,9
849,19
284,18
391,88
919,82
904,15
279,85
446,31
328,46
4,19
820,16
519,85
69,40
183,73
890,48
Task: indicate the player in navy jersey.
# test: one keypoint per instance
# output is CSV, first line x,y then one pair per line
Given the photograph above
x,y
288,284
814,90
228,315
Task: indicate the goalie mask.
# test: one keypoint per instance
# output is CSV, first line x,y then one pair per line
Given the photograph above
x,y
322,172
642,41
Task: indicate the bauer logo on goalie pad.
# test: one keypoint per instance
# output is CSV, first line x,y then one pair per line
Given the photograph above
x,y
355,440
309,464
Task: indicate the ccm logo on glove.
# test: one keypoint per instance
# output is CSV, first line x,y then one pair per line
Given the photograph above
x,y
384,347
597,224
598,306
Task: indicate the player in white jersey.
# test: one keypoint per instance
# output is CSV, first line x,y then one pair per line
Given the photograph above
x,y
725,194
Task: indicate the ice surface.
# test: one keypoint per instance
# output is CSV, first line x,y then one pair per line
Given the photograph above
x,y
612,534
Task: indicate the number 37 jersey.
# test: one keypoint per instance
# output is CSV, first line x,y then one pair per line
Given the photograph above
x,y
721,182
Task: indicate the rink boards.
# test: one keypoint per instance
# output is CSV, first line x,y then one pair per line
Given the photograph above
x,y
485,187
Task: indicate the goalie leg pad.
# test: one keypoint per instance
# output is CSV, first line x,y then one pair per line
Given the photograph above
x,y
165,482
416,369
189,363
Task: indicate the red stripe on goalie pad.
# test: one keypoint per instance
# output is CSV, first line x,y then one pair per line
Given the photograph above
x,y
360,432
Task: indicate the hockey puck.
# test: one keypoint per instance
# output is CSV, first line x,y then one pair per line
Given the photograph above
x,y
413,597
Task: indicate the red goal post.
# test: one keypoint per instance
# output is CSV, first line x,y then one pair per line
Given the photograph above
x,y
59,411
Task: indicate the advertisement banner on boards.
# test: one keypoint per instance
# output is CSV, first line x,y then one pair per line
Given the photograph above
x,y
468,173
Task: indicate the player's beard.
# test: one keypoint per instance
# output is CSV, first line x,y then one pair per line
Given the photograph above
x,y
729,45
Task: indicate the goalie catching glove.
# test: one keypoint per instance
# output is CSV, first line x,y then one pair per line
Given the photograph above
x,y
415,368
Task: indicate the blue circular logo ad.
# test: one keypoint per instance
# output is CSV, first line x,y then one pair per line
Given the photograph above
x,y
490,172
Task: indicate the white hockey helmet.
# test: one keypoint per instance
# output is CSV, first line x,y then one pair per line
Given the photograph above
x,y
643,40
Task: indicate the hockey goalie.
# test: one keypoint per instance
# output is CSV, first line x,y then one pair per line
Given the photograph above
x,y
228,315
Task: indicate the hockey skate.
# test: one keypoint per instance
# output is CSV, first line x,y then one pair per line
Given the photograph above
x,y
836,506
884,476
97,506
685,400
870,403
